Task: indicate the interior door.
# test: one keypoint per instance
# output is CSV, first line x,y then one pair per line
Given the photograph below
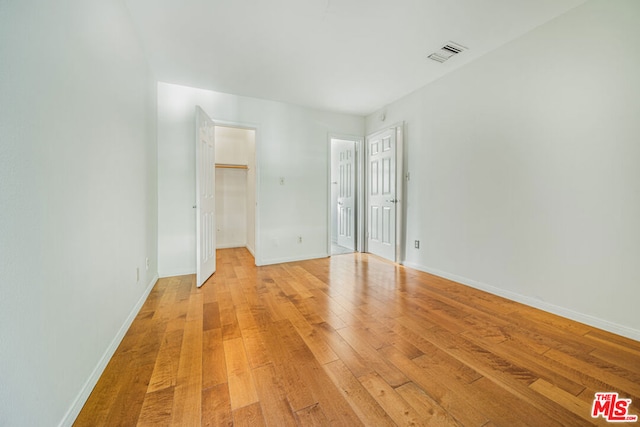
x,y
346,193
205,197
381,189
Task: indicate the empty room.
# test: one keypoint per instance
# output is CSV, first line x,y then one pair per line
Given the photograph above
x,y
322,212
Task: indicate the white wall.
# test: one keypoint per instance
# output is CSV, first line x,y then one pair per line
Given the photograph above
x,y
231,208
233,145
77,196
524,168
291,142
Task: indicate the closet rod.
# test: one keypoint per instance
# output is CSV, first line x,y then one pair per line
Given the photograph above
x,y
228,166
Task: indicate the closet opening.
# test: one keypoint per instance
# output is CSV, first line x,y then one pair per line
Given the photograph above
x,y
235,156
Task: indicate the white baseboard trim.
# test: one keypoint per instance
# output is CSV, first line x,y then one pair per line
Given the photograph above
x,y
164,274
91,382
231,246
587,319
292,259
251,250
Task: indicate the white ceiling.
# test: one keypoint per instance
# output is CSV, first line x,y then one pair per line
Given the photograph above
x,y
351,56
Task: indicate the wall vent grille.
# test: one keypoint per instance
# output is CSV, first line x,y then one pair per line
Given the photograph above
x,y
447,51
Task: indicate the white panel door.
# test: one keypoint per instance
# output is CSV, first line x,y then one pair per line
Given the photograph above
x,y
205,197
346,194
381,188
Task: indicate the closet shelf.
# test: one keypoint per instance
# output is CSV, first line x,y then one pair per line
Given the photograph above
x,y
228,166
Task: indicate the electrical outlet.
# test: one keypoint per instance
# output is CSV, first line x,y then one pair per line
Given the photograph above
x,y
299,239
137,274
416,244
282,180
146,263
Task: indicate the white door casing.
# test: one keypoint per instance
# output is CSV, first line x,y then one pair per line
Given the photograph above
x,y
381,192
205,197
346,193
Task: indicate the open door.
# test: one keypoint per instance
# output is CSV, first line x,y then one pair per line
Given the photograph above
x,y
205,197
381,188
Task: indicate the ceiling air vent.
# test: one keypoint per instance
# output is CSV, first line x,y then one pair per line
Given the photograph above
x,y
447,51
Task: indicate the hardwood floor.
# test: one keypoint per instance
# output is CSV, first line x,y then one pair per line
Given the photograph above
x,y
352,340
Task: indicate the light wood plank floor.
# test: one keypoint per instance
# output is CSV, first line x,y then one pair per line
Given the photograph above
x,y
352,340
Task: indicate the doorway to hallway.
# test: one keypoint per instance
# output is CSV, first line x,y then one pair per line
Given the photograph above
x,y
343,195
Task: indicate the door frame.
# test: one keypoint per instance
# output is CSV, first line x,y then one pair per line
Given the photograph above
x,y
254,127
400,193
359,192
